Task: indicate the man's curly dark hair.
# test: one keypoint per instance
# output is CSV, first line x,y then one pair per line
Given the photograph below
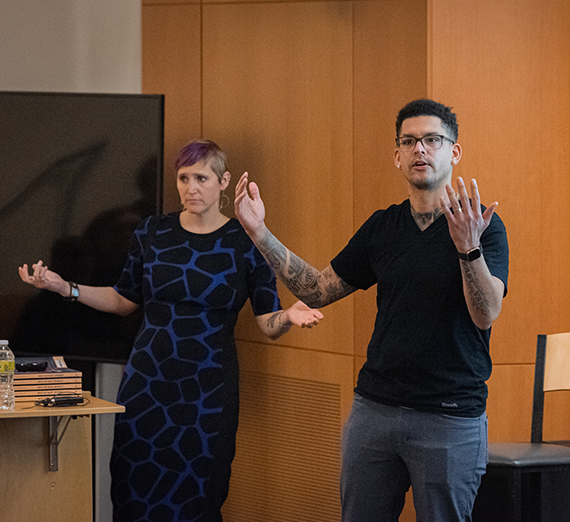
x,y
426,107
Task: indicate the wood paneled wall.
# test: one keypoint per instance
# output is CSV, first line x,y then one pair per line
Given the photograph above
x,y
504,66
304,96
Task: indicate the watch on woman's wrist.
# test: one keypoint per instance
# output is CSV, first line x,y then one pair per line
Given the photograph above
x,y
73,292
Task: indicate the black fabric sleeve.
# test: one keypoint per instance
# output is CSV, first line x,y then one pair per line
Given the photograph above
x,y
496,250
353,263
129,284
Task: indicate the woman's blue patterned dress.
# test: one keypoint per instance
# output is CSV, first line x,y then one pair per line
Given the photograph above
x,y
174,444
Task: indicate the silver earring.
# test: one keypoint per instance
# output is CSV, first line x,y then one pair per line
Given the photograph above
x,y
224,200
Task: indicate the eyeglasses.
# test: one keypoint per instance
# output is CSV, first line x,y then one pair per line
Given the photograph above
x,y
432,141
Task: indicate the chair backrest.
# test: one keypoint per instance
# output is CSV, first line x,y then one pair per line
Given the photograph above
x,y
551,372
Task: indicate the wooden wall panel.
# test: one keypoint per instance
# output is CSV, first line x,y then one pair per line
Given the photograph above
x,y
169,2
288,461
172,66
390,49
277,89
509,407
504,67
294,404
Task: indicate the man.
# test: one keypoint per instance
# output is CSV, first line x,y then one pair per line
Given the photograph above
x,y
440,262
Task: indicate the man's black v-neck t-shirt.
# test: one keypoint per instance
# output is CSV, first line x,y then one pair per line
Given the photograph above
x,y
425,353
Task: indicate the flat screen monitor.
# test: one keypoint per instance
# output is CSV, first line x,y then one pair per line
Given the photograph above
x,y
78,173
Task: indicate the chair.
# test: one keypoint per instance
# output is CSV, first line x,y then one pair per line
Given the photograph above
x,y
520,475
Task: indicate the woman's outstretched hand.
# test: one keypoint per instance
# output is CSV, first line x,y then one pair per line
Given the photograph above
x,y
301,315
42,277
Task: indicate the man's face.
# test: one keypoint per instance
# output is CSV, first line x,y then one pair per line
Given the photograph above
x,y
425,168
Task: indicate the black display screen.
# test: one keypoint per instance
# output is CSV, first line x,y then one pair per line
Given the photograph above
x,y
78,172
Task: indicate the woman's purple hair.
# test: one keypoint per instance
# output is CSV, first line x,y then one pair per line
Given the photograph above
x,y
202,151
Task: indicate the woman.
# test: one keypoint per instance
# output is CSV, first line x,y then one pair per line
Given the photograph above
x,y
192,271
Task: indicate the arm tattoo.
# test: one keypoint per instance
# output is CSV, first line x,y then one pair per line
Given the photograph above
x,y
315,288
335,287
425,219
476,293
274,321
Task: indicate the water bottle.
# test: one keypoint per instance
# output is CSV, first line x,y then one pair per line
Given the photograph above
x,y
7,366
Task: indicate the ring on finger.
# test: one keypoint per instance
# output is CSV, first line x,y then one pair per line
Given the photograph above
x,y
458,210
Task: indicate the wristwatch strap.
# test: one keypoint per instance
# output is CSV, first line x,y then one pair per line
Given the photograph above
x,y
73,292
471,255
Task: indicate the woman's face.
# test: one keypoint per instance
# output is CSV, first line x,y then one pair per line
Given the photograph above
x,y
200,188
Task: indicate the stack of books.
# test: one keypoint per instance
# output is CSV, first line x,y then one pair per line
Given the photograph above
x,y
39,378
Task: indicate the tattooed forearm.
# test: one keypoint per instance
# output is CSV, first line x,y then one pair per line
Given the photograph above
x,y
274,252
275,321
335,287
300,276
475,292
314,288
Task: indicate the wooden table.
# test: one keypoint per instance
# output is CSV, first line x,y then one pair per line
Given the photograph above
x,y
46,463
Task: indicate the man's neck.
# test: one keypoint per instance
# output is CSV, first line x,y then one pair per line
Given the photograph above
x,y
425,208
425,219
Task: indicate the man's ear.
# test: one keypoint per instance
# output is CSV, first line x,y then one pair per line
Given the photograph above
x,y
397,158
456,153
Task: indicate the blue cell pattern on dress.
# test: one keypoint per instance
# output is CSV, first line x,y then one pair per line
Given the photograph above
x,y
174,444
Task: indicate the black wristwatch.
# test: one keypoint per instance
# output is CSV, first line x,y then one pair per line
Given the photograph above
x,y
73,292
471,255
